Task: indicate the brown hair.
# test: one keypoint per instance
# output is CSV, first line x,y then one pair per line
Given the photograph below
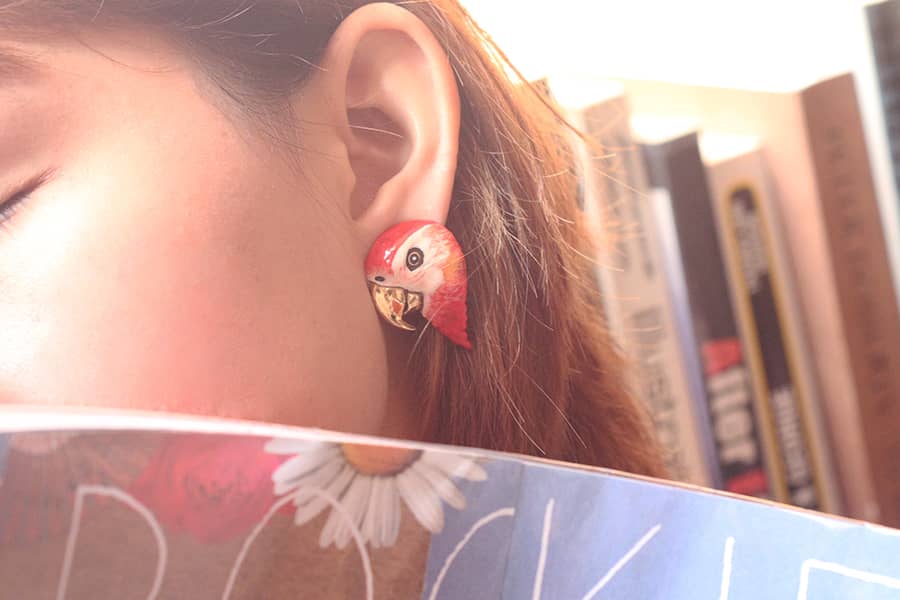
x,y
544,377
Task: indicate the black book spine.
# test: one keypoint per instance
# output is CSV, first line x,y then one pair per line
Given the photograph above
x,y
750,237
676,166
884,30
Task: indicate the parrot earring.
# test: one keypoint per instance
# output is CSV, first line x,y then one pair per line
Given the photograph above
x,y
418,265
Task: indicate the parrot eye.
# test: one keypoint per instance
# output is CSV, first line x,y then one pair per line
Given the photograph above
x,y
414,259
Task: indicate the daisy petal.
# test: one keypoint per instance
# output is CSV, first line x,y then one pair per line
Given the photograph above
x,y
335,488
381,498
336,520
356,506
330,528
318,476
455,465
316,480
422,501
289,446
373,515
391,513
298,466
441,484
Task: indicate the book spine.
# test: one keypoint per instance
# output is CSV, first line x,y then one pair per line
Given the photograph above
x,y
862,275
632,262
779,119
676,166
683,338
883,19
758,273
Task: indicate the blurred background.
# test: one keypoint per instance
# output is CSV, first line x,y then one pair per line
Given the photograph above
x,y
756,45
700,41
744,161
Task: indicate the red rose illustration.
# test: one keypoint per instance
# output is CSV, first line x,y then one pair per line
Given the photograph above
x,y
213,487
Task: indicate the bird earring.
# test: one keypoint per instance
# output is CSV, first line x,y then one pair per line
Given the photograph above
x,y
418,265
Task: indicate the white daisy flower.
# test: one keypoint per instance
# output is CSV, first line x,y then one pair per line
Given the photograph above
x,y
369,482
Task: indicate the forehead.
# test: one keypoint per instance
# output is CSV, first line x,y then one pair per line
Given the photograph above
x,y
97,55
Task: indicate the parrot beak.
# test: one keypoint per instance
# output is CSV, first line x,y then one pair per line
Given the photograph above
x,y
394,303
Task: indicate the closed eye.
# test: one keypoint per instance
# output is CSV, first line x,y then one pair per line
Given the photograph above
x,y
11,204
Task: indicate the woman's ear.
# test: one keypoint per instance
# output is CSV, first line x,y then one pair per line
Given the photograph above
x,y
391,91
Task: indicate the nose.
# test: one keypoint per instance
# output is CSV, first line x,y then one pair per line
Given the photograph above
x,y
379,278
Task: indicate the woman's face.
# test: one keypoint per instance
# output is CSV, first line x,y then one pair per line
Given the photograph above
x,y
166,258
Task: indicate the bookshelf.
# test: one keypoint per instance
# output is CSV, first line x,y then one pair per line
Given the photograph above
x,y
821,402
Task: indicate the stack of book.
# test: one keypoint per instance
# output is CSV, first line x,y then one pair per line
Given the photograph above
x,y
746,274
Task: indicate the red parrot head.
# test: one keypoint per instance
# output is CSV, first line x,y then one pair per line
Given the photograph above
x,y
419,265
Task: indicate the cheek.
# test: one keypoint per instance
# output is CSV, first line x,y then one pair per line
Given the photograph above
x,y
218,294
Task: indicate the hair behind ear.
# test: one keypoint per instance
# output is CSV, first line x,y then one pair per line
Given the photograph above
x,y
544,377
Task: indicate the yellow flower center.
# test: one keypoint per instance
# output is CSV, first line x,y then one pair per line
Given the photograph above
x,y
379,460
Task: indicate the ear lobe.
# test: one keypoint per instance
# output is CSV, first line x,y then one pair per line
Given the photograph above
x,y
400,116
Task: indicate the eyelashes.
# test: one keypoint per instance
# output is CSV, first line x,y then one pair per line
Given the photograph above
x,y
10,205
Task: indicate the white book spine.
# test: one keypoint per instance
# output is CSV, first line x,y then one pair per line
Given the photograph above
x,y
637,294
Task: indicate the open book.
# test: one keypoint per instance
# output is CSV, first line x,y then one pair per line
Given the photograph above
x,y
123,505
